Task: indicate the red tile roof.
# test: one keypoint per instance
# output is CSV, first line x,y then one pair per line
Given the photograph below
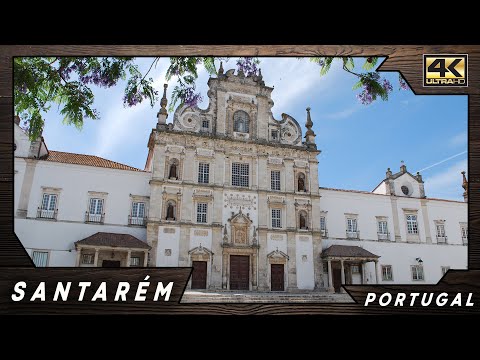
x,y
114,240
88,160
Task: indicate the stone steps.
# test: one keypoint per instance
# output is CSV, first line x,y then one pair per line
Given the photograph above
x,y
252,297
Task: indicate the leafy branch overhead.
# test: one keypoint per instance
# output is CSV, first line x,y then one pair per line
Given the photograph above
x,y
67,81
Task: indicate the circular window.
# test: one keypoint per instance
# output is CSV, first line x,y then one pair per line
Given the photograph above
x,y
405,190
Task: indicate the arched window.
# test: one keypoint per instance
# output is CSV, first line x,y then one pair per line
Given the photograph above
x,y
170,211
301,182
241,121
173,173
303,221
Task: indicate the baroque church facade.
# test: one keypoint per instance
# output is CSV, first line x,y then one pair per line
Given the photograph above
x,y
234,193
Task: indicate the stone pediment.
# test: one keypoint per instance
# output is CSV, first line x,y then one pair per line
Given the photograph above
x,y
240,218
200,250
277,254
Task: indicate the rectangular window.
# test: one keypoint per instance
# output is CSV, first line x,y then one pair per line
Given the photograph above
x,y
276,218
95,210
445,269
96,206
88,259
440,230
275,180
382,227
355,269
205,124
417,272
351,225
412,227
201,213
135,261
464,232
240,174
323,223
274,134
387,274
203,173
138,210
40,258
49,202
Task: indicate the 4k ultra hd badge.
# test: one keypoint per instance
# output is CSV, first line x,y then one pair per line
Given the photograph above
x,y
445,70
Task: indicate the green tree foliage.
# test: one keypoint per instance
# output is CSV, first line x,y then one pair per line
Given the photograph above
x,y
40,82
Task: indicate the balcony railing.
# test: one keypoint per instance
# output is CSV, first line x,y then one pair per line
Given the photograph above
x,y
441,239
324,232
47,214
464,240
94,218
137,221
353,234
383,236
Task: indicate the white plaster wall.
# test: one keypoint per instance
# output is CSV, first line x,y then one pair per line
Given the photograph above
x,y
402,255
59,237
196,240
367,206
453,213
168,241
77,180
305,273
22,141
408,181
381,189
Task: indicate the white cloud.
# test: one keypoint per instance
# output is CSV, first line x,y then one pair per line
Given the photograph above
x,y
448,183
458,140
344,113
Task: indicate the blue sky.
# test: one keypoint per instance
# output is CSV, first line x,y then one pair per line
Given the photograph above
x,y
358,142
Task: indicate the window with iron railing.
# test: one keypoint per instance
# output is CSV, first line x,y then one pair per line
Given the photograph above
x,y
40,258
95,211
352,229
138,215
441,237
382,230
48,209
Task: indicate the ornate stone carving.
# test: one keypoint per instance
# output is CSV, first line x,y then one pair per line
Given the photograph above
x,y
205,152
275,160
175,149
240,200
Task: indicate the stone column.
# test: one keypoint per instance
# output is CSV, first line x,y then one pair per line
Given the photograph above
x,y
95,261
79,253
396,221
426,221
376,272
224,271
343,275
330,277
129,256
254,271
363,272
145,258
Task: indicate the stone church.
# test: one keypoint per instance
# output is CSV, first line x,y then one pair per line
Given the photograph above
x,y
233,192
